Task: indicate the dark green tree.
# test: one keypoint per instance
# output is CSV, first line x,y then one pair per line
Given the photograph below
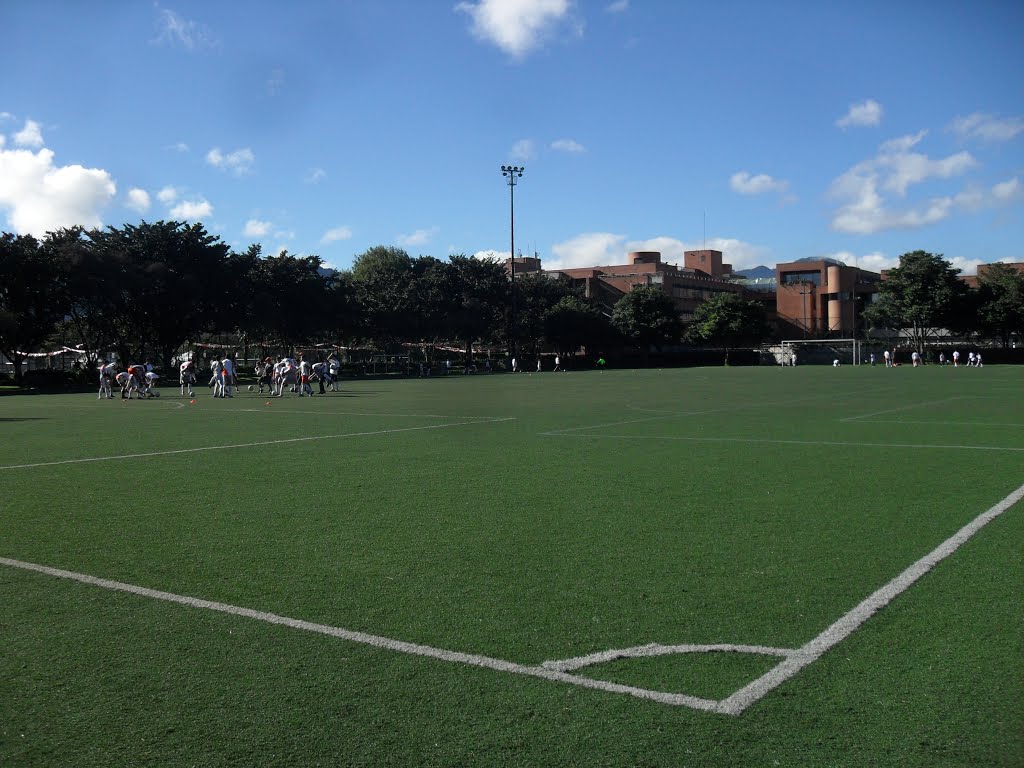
x,y
173,283
647,317
575,322
382,278
536,294
728,320
1000,312
32,298
288,301
920,296
477,299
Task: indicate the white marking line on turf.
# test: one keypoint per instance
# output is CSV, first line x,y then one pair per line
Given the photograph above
x,y
1009,424
769,441
795,660
287,412
852,621
903,408
376,641
249,445
656,649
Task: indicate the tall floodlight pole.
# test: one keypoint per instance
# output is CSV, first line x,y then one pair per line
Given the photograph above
x,y
512,173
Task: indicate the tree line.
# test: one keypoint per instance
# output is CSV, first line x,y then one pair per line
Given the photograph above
x,y
147,290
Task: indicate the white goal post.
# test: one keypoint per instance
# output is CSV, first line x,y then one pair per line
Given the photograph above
x,y
846,351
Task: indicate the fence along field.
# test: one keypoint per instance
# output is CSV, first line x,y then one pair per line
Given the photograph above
x,y
549,442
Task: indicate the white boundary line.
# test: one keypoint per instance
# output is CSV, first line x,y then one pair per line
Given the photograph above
x,y
735,704
852,621
248,445
1009,424
770,441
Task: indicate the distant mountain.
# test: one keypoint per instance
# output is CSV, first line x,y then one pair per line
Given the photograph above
x,y
826,259
761,271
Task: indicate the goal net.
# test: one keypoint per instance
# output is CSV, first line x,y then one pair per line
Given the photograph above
x,y
819,352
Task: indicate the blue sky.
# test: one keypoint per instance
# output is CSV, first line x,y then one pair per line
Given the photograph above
x,y
772,131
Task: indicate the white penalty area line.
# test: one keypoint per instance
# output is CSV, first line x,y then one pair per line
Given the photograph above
x,y
250,445
558,671
903,408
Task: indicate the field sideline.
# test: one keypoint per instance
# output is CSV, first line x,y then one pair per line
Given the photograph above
x,y
736,566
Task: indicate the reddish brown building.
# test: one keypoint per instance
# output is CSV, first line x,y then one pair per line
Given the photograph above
x,y
688,287
823,297
972,280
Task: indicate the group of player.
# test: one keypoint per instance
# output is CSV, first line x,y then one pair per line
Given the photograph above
x,y
271,377
138,381
297,375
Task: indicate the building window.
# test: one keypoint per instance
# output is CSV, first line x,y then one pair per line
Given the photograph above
x,y
795,278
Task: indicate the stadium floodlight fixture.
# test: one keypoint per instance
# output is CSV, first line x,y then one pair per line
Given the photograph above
x,y
512,173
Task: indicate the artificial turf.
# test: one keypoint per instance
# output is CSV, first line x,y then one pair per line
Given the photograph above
x,y
526,518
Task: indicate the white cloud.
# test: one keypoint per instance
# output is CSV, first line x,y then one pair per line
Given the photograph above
x,y
39,196
523,150
987,127
192,209
746,184
419,237
619,6
595,249
174,30
515,26
1007,190
29,136
238,162
333,235
865,113
257,228
167,195
5,116
588,250
894,169
138,200
568,145
180,146
315,175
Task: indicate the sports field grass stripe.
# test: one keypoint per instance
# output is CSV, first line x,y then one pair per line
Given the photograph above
x,y
249,445
852,621
376,641
770,441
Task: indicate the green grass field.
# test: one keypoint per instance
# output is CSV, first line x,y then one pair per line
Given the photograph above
x,y
499,522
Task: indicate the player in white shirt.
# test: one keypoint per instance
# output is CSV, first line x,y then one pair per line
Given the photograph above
x,y
107,373
320,374
187,377
334,371
229,376
304,371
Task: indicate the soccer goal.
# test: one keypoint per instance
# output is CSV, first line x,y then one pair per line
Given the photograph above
x,y
820,352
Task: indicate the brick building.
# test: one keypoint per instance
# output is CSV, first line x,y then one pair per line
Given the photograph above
x,y
688,286
822,297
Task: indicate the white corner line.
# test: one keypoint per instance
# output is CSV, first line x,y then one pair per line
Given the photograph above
x,y
376,641
250,445
852,621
